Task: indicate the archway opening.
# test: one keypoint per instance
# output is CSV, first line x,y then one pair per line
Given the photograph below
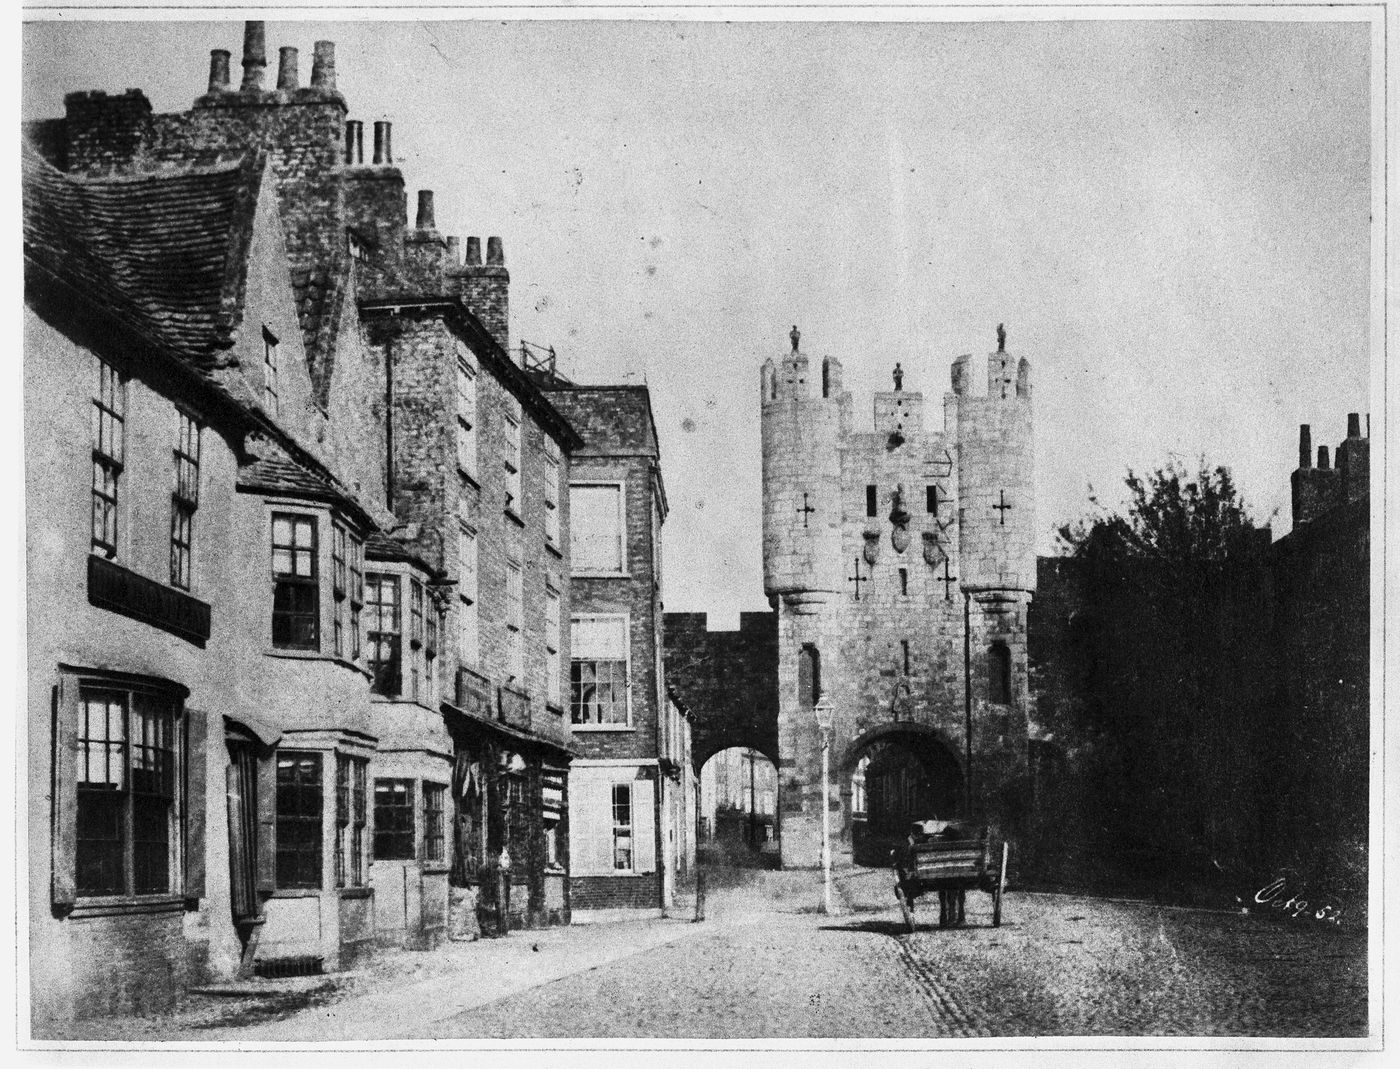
x,y
738,810
894,780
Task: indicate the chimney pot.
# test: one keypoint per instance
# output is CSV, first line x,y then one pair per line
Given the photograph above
x,y
354,143
425,219
323,66
494,253
218,70
473,252
287,68
1353,425
1324,461
383,155
454,251
1305,446
254,54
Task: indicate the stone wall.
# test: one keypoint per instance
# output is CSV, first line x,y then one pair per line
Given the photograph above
x,y
891,631
728,681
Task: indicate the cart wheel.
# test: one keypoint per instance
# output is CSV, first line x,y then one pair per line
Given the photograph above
x,y
906,907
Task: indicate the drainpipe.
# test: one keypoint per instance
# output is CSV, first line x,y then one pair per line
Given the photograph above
x,y
967,702
389,425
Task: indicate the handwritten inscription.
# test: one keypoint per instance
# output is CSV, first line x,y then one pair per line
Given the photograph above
x,y
1276,895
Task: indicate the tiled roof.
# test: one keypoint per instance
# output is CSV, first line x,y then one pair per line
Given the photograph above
x,y
163,252
277,472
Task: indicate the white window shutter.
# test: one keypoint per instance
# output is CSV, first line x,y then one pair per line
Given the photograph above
x,y
580,820
590,821
643,825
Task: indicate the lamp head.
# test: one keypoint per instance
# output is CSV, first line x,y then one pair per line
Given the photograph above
x,y
825,713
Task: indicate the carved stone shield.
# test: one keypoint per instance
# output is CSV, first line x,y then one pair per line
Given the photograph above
x,y
872,548
934,553
900,539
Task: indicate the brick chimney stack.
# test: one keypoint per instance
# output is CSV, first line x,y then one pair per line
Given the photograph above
x,y
287,69
323,66
425,220
354,143
1354,461
254,55
485,287
383,154
1305,446
218,70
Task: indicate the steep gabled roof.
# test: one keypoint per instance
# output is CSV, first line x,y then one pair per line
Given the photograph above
x,y
164,253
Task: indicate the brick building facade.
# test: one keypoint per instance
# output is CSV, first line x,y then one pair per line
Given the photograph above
x,y
629,779
344,634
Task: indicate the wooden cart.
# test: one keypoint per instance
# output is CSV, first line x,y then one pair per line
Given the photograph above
x,y
951,859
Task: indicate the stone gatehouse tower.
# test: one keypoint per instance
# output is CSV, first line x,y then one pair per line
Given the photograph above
x,y
900,560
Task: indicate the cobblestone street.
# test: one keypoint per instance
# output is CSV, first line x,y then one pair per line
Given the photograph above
x,y
766,965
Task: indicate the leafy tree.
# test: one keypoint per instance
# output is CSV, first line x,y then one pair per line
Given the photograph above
x,y
1158,674
1175,518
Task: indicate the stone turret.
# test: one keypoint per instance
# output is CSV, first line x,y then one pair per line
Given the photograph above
x,y
996,500
800,424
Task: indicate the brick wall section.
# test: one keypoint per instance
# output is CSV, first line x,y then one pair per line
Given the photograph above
x,y
728,681
639,598
103,132
615,892
486,288
429,490
620,446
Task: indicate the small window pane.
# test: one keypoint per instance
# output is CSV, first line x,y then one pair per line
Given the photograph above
x,y
393,819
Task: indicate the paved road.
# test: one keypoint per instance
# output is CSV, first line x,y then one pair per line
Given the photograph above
x,y
1058,965
766,965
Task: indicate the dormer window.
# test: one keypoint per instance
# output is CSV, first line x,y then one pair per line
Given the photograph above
x,y
271,386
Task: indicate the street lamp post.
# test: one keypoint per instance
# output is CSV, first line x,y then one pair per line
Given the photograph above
x,y
823,711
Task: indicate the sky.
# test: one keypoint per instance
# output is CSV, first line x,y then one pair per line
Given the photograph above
x,y
1172,218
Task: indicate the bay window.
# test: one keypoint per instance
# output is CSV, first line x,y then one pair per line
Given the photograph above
x,y
393,820
296,589
384,625
299,818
